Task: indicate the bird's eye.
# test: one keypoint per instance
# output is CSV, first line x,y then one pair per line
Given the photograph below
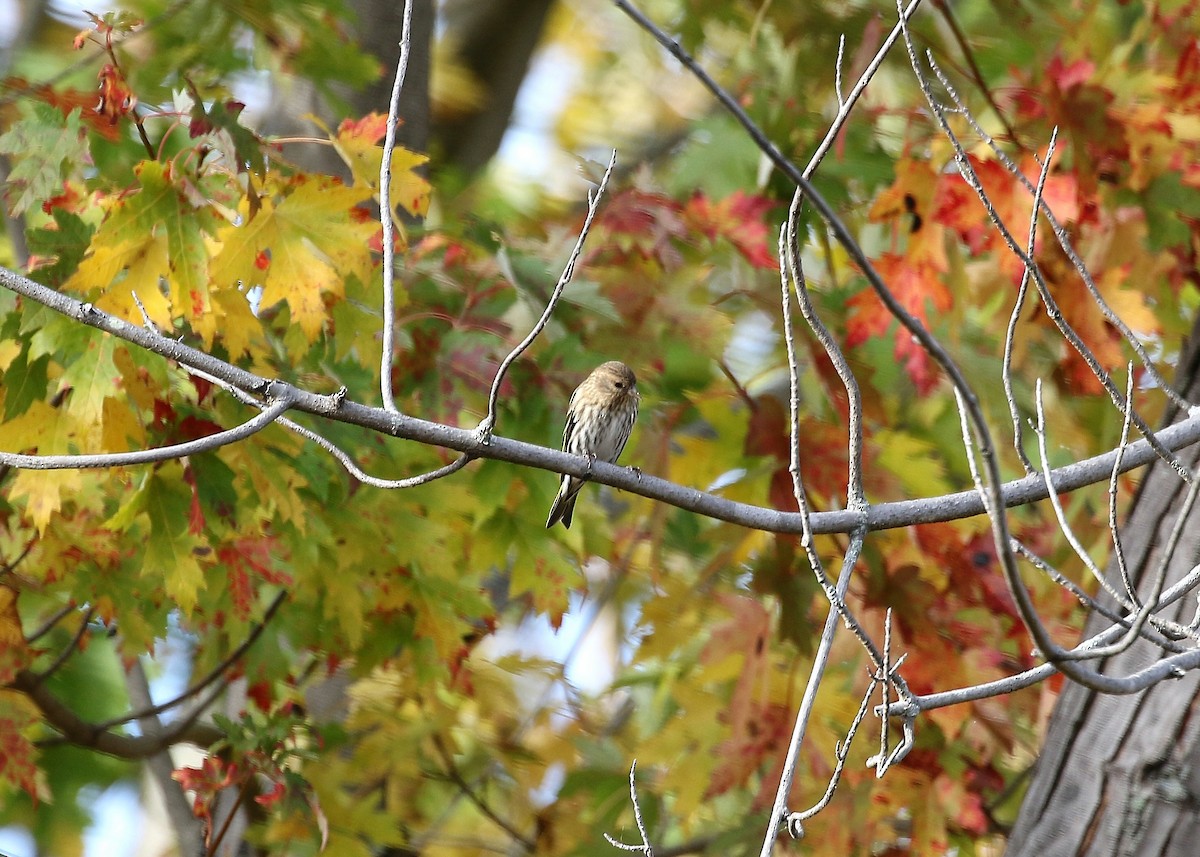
x,y
620,385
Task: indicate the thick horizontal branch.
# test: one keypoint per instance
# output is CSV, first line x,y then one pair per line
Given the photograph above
x,y
80,732
883,516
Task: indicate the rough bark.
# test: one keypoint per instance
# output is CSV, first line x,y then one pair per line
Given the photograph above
x,y
1120,775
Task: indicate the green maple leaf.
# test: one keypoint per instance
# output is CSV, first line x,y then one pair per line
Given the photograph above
x,y
171,549
153,233
93,377
45,148
67,243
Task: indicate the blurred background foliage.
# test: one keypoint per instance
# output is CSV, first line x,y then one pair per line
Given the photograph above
x,y
481,667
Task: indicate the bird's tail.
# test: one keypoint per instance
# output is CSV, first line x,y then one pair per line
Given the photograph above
x,y
564,504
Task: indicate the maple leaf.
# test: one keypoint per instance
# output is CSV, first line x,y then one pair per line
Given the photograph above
x,y
154,233
357,142
45,151
957,206
223,116
307,243
45,430
171,550
60,246
18,765
67,101
917,286
14,651
740,219
93,378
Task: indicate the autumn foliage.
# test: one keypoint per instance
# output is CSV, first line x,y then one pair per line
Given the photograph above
x,y
163,203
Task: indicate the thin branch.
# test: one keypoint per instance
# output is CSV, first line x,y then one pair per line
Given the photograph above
x,y
329,446
645,846
795,820
489,422
70,648
1060,514
7,568
75,730
1165,635
1164,559
337,452
1064,241
847,104
243,790
149,456
880,516
792,273
49,624
779,812
452,771
216,673
976,74
386,214
1019,304
837,71
1114,530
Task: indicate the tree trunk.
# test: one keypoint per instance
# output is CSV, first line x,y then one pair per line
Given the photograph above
x,y
378,27
1120,775
495,40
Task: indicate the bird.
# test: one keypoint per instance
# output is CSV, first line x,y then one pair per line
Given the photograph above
x,y
600,417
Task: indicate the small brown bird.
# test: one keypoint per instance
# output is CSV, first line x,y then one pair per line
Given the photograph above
x,y
599,419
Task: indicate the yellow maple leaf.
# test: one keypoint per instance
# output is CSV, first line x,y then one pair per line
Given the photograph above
x,y
306,244
358,143
48,431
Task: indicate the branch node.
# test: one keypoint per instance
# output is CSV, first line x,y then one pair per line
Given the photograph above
x,y
483,431
334,402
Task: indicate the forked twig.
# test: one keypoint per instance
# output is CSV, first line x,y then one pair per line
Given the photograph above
x,y
488,425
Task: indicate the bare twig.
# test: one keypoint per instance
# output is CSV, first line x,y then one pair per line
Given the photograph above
x,y
386,214
791,272
148,456
489,422
329,446
1114,530
1064,241
795,820
1165,634
1060,514
976,74
645,846
1014,317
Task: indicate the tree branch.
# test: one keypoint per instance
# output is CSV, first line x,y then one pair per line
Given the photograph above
x,y
881,516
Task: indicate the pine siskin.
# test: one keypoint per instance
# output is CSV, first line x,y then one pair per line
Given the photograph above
x,y
599,420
